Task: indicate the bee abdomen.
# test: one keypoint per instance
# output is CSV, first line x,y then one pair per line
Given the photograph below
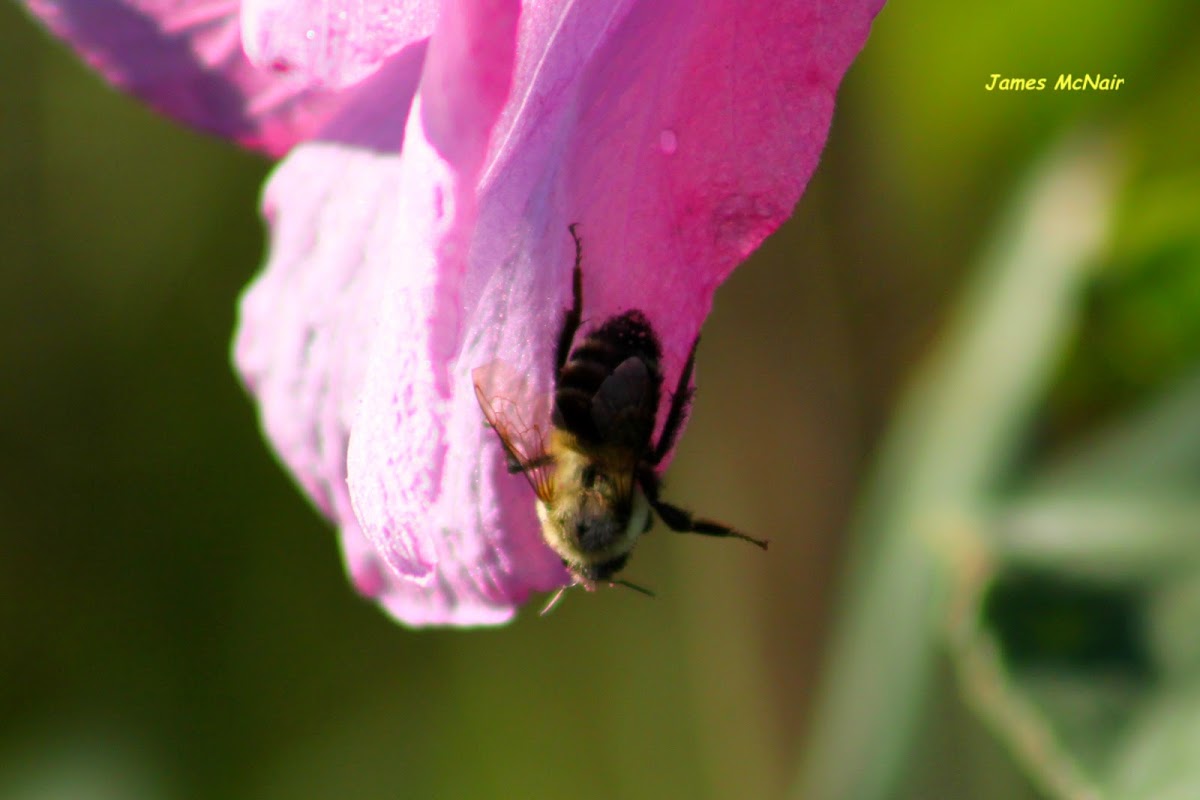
x,y
631,334
595,351
618,339
593,362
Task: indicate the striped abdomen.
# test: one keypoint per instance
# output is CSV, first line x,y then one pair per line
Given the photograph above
x,y
608,391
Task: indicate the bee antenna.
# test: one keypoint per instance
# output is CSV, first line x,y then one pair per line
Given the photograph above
x,y
557,597
634,586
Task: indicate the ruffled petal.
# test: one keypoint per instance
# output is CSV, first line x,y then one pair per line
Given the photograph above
x,y
421,496
185,59
348,335
333,43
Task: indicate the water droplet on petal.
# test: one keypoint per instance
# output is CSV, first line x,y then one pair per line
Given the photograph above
x,y
310,34
668,142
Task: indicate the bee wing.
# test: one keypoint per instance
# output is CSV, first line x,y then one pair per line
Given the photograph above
x,y
619,409
521,420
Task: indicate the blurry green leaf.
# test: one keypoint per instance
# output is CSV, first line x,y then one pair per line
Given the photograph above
x,y
1159,757
1094,686
1123,505
1164,207
1140,326
1122,536
954,440
1154,451
1075,625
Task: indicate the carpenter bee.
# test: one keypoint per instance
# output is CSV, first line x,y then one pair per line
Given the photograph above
x,y
594,468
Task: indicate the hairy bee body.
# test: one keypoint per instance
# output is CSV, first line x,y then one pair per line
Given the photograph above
x,y
606,401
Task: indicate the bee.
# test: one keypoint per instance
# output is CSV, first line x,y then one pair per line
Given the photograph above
x,y
595,469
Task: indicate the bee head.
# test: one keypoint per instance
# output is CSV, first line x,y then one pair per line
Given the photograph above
x,y
594,516
587,514
597,515
605,570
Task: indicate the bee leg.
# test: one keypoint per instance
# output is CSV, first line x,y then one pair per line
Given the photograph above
x,y
575,313
683,521
680,401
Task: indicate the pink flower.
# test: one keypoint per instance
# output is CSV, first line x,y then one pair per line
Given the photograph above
x,y
435,155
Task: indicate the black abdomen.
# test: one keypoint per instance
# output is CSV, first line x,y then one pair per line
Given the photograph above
x,y
621,411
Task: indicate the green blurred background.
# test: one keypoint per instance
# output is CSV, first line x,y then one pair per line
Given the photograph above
x,y
174,620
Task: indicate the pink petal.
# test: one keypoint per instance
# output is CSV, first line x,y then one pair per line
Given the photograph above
x,y
677,134
334,43
321,322
421,504
185,59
